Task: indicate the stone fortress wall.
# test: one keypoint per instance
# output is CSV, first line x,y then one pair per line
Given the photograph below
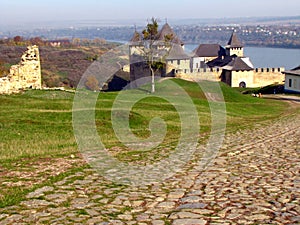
x,y
259,77
25,75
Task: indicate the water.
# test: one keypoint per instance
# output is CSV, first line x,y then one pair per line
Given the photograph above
x,y
268,57
273,57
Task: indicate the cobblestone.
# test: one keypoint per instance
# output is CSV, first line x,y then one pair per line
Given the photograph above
x,y
253,180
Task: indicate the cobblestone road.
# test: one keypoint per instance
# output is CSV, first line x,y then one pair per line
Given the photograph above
x,y
254,180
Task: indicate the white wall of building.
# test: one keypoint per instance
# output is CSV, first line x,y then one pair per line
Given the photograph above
x,y
292,83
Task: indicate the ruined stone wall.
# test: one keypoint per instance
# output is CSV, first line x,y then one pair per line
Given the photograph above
x,y
25,75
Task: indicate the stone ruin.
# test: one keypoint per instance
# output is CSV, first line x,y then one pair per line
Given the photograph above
x,y
25,75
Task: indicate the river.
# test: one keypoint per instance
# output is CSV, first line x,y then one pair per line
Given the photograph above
x,y
268,57
264,57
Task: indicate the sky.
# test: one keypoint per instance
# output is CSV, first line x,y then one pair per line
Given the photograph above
x,y
22,12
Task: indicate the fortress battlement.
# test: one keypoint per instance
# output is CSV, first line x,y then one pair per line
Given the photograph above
x,y
269,70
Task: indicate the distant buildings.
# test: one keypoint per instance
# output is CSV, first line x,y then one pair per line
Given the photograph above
x,y
207,62
58,43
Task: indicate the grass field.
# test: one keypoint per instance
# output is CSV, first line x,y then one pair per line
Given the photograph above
x,y
39,123
36,127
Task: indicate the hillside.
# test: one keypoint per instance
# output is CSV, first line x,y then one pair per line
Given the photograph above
x,y
61,66
40,122
38,134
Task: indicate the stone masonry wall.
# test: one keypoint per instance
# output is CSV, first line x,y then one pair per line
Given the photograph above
x,y
258,77
213,74
267,76
25,75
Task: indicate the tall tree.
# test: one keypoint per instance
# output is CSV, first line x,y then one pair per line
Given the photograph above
x,y
150,34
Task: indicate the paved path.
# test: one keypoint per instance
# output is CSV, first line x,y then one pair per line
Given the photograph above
x,y
254,180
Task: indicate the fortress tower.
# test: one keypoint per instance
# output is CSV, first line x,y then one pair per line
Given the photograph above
x,y
234,46
164,40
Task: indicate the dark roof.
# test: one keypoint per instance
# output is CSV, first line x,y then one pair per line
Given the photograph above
x,y
220,61
236,64
177,52
295,71
234,42
209,50
297,68
166,30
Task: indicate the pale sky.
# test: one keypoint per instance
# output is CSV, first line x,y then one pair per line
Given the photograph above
x,y
19,12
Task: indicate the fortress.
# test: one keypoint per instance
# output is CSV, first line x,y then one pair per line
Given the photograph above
x,y
207,62
25,75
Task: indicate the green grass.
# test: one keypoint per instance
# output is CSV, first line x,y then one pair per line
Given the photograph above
x,y
38,124
245,110
81,212
35,124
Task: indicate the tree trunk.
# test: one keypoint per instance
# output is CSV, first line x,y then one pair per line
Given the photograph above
x,y
152,80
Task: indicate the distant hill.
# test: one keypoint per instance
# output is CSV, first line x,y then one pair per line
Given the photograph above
x,y
239,20
140,22
282,32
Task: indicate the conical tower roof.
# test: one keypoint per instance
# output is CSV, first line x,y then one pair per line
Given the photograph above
x,y
234,42
167,31
136,37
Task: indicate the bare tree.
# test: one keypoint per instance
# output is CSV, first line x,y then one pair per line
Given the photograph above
x,y
151,49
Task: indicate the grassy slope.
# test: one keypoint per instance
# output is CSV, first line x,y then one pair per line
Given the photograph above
x,y
39,123
36,123
62,66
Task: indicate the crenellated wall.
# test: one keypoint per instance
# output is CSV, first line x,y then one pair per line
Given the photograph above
x,y
258,77
211,74
266,76
25,75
